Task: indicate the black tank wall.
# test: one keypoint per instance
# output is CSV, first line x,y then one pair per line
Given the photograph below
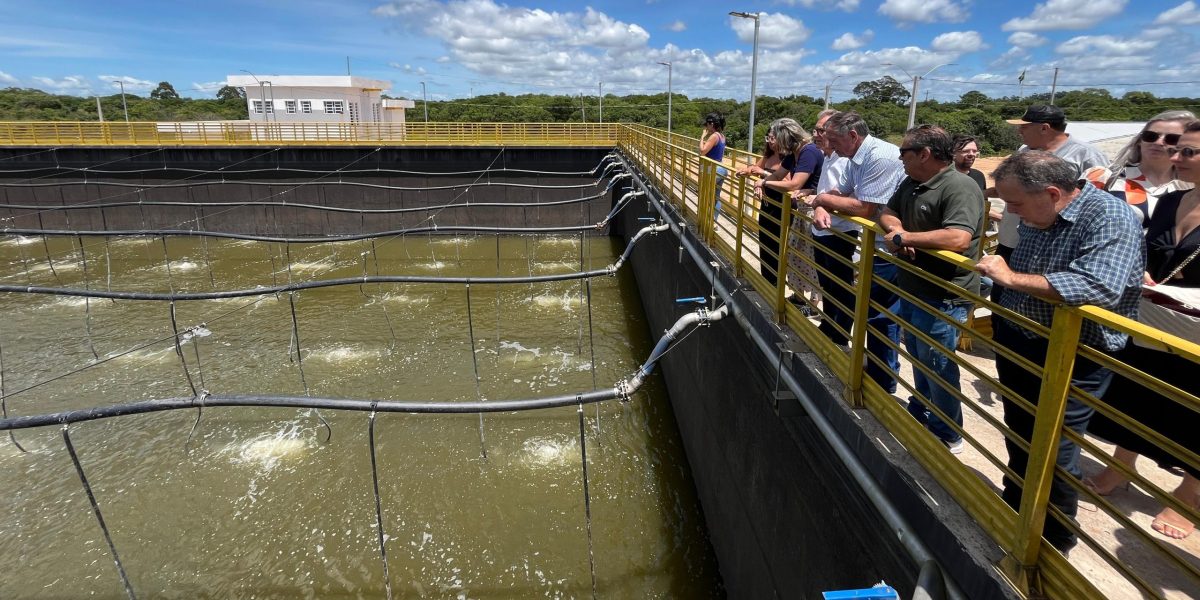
x,y
785,518
46,179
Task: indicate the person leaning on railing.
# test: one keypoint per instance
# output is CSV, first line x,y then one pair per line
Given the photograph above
x,y
712,145
1172,248
798,162
1076,245
873,172
936,208
764,167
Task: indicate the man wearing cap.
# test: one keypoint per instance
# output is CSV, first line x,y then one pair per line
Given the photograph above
x,y
1044,127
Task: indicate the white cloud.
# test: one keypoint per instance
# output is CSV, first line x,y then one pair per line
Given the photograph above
x,y
924,11
6,78
407,68
1066,14
677,26
208,86
1184,14
1024,39
849,41
843,5
1104,46
775,30
72,84
130,82
959,42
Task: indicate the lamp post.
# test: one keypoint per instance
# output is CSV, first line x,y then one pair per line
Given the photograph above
x,y
425,101
668,65
827,87
753,75
601,102
123,104
262,94
274,115
912,101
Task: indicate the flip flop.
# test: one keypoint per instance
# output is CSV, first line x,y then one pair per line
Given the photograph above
x,y
1175,531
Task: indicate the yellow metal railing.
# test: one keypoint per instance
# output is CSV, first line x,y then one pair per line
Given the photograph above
x,y
689,182
251,133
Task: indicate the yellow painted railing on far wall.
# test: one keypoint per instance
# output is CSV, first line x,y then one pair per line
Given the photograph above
x,y
254,133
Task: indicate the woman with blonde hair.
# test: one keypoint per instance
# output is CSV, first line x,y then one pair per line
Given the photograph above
x,y
1142,171
800,168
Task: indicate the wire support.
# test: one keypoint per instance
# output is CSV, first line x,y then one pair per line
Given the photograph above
x,y
139,187
475,369
316,239
298,205
377,171
96,511
587,497
4,403
302,285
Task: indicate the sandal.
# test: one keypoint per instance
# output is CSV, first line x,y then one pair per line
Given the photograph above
x,y
1166,524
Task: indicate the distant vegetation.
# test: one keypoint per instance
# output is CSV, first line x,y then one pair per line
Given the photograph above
x,y
883,102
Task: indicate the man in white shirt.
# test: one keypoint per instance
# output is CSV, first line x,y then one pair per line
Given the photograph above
x,y
872,174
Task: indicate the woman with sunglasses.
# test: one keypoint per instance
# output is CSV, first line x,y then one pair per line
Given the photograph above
x,y
712,145
1142,171
1172,249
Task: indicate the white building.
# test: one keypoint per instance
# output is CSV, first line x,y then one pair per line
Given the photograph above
x,y
319,99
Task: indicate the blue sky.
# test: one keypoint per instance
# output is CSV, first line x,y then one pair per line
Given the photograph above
x,y
465,47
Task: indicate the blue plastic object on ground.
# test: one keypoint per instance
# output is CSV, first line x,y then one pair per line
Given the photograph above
x,y
881,591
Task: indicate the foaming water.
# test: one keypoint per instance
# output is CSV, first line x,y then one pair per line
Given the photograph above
x,y
403,298
343,355
180,266
549,452
20,240
568,301
268,451
565,266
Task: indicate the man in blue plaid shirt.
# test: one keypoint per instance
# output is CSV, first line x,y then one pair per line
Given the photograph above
x,y
1078,245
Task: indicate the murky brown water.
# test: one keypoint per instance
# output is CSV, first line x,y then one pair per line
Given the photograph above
x,y
259,505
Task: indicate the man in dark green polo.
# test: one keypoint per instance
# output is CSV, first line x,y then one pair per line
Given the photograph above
x,y
935,208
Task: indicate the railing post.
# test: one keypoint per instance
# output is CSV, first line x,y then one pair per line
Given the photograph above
x,y
741,218
785,224
862,307
1021,564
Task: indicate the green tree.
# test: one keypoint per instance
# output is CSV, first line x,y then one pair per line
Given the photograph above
x,y
885,90
164,91
228,92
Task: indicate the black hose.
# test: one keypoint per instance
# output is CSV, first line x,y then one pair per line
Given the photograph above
x,y
316,239
392,406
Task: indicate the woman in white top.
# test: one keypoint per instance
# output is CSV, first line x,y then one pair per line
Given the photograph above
x,y
1142,172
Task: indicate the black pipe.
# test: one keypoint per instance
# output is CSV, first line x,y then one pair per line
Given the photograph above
x,y
295,240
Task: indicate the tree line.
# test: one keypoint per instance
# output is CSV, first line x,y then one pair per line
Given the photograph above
x,y
882,102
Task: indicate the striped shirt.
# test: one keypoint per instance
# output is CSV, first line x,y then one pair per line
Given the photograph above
x,y
874,173
1092,254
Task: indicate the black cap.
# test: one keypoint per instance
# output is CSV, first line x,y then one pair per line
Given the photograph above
x,y
1040,113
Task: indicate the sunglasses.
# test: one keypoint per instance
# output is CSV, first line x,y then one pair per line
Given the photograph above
x,y
1169,139
1185,151
904,149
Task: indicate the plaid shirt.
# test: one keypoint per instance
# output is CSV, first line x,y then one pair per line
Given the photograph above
x,y
1092,254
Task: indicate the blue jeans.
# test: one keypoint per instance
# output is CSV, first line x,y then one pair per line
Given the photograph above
x,y
722,173
937,361
885,326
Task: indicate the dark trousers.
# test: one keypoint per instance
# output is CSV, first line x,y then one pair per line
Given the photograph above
x,y
1089,377
768,246
827,247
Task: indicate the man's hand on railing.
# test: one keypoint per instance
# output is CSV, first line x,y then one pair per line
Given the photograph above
x,y
822,219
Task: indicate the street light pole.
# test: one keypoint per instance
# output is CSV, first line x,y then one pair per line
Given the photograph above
x,y
912,101
827,88
668,65
601,102
262,94
123,104
753,76
274,116
425,101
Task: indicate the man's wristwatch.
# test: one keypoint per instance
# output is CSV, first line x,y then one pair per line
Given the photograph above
x,y
897,241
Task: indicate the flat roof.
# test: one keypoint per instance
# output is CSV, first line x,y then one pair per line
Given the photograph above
x,y
333,81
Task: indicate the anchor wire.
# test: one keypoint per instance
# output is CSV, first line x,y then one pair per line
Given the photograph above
x,y
387,579
475,366
587,496
4,403
96,511
179,351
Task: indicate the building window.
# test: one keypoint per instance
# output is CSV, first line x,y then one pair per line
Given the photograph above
x,y
270,105
290,106
353,112
258,107
333,107
306,106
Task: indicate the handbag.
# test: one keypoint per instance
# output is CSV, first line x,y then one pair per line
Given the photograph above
x,y
1176,310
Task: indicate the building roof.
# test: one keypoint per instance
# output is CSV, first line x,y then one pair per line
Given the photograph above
x,y
1108,136
332,81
